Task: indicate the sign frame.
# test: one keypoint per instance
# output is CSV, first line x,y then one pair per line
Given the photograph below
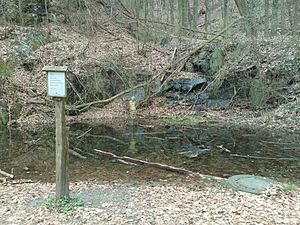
x,y
56,81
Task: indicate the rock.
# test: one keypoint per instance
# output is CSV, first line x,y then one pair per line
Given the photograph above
x,y
201,62
218,103
28,64
193,151
250,183
32,41
188,82
182,89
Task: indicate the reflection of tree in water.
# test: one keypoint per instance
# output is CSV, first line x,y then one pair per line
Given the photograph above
x,y
26,154
33,155
132,145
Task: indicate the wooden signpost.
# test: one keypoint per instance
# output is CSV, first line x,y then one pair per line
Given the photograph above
x,y
56,77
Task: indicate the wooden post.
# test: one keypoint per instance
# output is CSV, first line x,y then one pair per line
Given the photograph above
x,y
57,90
62,153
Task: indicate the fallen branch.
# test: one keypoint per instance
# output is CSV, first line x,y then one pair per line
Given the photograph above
x,y
266,158
86,105
23,182
11,176
72,152
184,59
157,165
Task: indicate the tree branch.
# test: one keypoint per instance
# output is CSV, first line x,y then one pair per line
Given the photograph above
x,y
157,165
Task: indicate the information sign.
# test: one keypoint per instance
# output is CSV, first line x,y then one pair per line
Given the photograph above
x,y
57,84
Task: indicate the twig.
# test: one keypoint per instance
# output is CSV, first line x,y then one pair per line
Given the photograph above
x,y
127,163
172,25
23,182
86,132
233,96
74,89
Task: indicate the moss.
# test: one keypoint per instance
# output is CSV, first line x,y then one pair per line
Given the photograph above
x,y
187,120
3,117
16,110
64,204
32,41
258,93
6,68
289,187
30,19
153,37
216,60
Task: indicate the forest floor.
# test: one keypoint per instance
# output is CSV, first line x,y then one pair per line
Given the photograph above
x,y
163,202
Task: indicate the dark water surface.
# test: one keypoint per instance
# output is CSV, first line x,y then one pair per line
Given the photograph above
x,y
215,151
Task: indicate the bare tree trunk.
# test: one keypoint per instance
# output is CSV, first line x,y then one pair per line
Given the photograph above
x,y
146,7
274,17
3,13
225,13
195,13
172,9
189,14
21,12
184,13
180,18
151,8
47,16
283,10
296,15
163,4
137,15
267,18
290,13
249,15
207,15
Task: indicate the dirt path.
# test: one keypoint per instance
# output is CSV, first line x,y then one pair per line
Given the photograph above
x,y
165,202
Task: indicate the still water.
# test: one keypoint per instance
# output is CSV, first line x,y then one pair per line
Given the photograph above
x,y
217,151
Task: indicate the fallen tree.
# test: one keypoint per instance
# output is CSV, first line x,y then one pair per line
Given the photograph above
x,y
157,165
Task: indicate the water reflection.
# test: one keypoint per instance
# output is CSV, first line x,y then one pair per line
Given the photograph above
x,y
215,151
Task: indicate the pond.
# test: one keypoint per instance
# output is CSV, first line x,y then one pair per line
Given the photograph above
x,y
210,150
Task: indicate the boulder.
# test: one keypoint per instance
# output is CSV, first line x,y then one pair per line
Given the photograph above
x,y
187,82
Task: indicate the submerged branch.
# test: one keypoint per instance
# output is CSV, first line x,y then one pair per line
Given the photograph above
x,y
266,158
72,152
11,176
157,165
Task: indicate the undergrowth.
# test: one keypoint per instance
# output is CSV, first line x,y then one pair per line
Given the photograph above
x,y
63,204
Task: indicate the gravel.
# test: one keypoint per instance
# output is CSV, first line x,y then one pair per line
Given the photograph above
x,y
161,202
